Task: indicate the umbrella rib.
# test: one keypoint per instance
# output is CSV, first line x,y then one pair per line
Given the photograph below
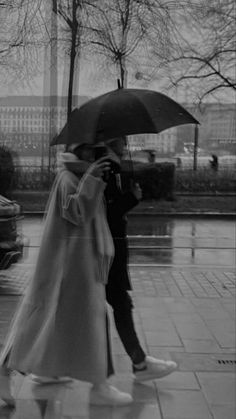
x,y
146,110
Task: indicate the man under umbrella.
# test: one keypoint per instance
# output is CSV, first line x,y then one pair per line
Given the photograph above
x,y
118,204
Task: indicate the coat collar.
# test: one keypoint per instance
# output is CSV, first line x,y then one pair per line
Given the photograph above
x,y
70,162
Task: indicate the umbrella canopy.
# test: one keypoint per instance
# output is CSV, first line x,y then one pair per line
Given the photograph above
x,y
122,112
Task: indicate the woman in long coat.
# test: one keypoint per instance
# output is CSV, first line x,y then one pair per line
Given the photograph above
x,y
60,328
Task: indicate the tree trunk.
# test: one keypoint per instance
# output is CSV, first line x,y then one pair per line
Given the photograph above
x,y
71,80
72,58
123,73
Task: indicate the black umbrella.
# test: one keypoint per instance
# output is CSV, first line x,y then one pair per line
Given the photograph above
x,y
122,112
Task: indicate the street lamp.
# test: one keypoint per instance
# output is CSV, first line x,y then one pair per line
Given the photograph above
x,y
195,147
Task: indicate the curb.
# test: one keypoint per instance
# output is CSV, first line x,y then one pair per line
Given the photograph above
x,y
186,214
207,194
156,213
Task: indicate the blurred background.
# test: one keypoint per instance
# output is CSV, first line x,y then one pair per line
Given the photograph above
x,y
55,55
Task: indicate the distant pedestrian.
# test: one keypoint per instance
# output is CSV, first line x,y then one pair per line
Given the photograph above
x,y
61,331
214,163
151,156
179,163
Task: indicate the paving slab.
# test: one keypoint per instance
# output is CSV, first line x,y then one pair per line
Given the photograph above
x,y
179,381
189,329
223,331
207,346
183,404
222,411
218,387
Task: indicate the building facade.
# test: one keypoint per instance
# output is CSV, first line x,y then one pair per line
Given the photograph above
x,y
217,129
27,124
163,143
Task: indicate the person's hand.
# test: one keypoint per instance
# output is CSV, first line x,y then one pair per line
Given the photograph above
x,y
137,191
100,167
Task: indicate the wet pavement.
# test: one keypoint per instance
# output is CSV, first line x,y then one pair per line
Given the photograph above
x,y
183,275
163,241
182,242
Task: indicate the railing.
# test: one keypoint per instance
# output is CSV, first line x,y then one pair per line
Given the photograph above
x,y
39,178
33,177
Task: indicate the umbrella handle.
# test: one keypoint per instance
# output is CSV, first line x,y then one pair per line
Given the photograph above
x,y
130,157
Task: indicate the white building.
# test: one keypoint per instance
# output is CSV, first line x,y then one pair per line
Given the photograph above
x,y
27,123
162,143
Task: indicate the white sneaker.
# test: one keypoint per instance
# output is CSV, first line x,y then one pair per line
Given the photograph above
x,y
106,395
37,379
5,387
155,368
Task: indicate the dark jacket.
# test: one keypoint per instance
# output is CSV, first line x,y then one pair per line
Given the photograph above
x,y
118,204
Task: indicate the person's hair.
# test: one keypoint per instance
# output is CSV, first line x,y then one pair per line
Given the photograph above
x,y
77,150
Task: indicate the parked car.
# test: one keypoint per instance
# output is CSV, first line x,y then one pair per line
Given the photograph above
x,y
11,241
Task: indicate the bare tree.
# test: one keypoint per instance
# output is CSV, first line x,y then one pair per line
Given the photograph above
x,y
118,32
21,29
203,49
70,27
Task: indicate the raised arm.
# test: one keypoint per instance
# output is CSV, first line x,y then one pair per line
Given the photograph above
x,y
80,199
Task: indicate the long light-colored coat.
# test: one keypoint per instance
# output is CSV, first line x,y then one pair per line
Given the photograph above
x,y
60,327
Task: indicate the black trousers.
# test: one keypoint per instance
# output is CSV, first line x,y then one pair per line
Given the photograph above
x,y
121,302
110,368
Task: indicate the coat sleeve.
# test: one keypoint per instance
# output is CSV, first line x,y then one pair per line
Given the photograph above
x,y
79,200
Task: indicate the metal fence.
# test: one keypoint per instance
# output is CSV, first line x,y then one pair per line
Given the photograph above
x,y
33,177
39,178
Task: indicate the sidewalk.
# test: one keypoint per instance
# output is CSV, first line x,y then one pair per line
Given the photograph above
x,y
187,315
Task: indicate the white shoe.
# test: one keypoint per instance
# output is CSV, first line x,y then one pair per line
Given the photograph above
x,y
5,387
37,379
106,395
155,368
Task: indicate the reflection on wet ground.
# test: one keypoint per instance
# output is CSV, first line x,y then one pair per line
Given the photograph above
x,y
183,257
178,241
164,241
182,227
